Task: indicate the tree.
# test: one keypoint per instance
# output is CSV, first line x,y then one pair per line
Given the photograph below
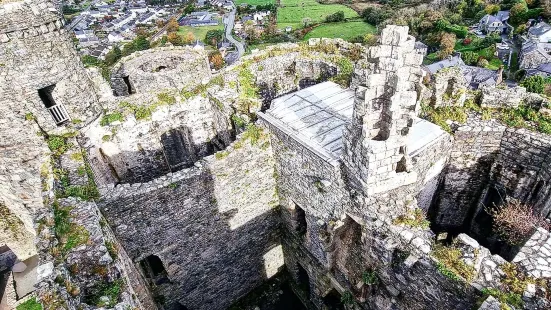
x,y
172,25
189,38
213,37
534,84
517,13
520,29
546,8
335,17
216,60
250,30
141,43
491,9
113,56
447,44
375,15
306,21
470,58
482,62
174,38
160,23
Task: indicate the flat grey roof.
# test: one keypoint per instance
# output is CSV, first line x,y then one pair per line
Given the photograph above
x,y
316,116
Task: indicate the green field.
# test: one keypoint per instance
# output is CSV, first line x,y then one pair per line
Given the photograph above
x,y
292,12
253,2
345,30
199,32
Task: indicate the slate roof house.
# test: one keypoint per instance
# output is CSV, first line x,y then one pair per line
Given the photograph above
x,y
474,76
540,32
491,23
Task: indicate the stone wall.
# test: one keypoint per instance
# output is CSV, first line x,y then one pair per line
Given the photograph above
x,y
35,53
158,69
475,149
175,136
210,225
449,88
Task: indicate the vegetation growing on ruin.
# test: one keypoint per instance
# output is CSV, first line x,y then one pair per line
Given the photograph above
x,y
450,263
514,222
58,144
112,290
87,192
10,222
441,115
107,119
520,117
112,249
510,298
370,277
51,301
347,298
69,234
30,304
413,218
221,155
346,68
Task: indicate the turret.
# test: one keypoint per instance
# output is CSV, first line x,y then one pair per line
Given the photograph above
x,y
384,111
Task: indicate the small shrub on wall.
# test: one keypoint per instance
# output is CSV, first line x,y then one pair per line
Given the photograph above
x,y
514,222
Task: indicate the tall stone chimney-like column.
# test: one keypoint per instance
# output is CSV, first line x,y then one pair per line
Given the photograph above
x,y
384,110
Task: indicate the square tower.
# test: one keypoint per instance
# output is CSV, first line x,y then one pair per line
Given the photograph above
x,y
385,106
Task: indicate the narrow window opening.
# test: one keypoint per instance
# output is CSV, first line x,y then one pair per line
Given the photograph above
x,y
57,111
46,96
300,220
401,166
303,280
129,87
536,191
333,301
160,68
154,269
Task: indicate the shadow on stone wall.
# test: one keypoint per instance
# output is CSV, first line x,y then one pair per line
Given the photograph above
x,y
459,200
212,256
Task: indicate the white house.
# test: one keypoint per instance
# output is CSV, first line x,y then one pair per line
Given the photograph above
x,y
540,32
115,37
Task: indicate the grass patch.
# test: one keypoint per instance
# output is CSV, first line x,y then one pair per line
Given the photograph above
x,y
199,32
107,119
30,304
451,265
69,234
440,115
221,155
413,218
112,290
112,249
343,30
292,12
253,2
509,298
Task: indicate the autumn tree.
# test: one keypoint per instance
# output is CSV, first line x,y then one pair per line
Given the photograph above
x,y
447,44
216,60
189,38
174,38
172,25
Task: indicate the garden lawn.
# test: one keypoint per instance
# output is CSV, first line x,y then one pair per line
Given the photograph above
x,y
344,30
253,2
199,32
292,12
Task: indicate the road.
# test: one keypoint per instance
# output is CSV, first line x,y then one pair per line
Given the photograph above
x,y
228,23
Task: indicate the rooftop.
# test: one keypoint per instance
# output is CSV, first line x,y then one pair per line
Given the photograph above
x,y
316,116
539,29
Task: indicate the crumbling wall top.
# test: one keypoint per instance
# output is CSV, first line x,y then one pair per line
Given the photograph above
x,y
28,14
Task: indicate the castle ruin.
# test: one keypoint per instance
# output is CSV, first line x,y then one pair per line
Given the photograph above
x,y
172,187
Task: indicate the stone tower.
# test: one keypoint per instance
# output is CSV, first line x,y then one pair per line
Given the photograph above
x,y
384,111
43,87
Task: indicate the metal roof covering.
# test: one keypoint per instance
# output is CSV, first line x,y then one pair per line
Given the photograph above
x,y
316,116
